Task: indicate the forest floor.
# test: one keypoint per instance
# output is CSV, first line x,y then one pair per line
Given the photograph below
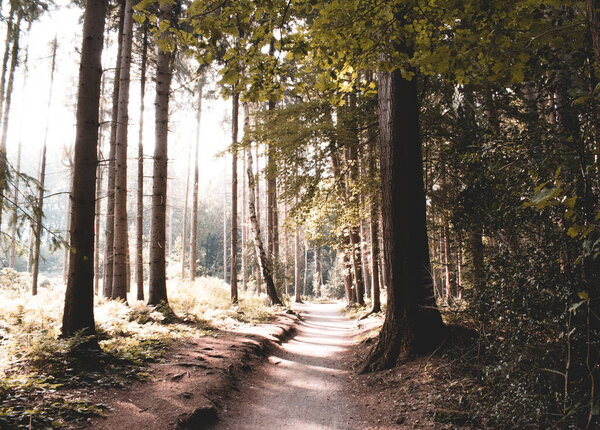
x,y
248,380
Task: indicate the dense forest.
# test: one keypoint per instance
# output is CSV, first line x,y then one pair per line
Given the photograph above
x,y
186,167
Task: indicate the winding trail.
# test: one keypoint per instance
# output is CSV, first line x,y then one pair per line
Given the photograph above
x,y
303,384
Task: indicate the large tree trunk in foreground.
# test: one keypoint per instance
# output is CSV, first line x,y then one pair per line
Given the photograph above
x,y
413,324
121,239
263,260
158,281
79,298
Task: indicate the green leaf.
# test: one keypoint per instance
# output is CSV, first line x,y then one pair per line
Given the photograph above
x,y
584,295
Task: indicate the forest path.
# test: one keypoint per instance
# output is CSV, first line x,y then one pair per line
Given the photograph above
x,y
304,383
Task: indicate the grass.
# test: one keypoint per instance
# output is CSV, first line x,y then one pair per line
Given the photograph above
x,y
37,368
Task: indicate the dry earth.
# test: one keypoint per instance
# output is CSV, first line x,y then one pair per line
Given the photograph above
x,y
308,382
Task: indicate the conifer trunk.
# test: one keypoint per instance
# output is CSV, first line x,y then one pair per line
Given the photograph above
x,y
78,313
317,278
194,223
234,196
139,226
184,241
98,215
42,180
158,283
258,212
413,324
107,285
297,265
121,233
3,151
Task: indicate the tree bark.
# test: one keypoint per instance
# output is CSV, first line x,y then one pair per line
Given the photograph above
x,y
3,154
318,277
158,283
258,212
413,324
234,196
98,215
194,239
263,259
297,265
107,286
120,245
272,227
78,315
139,226
185,218
42,179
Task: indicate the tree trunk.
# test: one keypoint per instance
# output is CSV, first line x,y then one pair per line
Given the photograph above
x,y
98,215
185,218
305,268
78,313
374,228
413,324
42,180
14,59
234,196
245,206
12,35
107,286
37,229
592,7
272,230
158,282
13,234
68,226
139,226
263,259
119,287
224,237
297,265
258,274
194,239
318,277
3,156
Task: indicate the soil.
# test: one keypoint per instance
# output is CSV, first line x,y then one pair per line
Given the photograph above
x,y
243,381
192,382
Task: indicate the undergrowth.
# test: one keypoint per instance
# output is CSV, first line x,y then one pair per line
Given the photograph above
x,y
39,371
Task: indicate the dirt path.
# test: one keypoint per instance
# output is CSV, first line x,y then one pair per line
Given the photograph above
x,y
304,385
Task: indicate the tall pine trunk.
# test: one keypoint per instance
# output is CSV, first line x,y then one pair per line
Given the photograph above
x,y
107,285
139,225
42,180
234,195
3,154
121,234
184,241
194,224
158,282
78,313
413,324
98,211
